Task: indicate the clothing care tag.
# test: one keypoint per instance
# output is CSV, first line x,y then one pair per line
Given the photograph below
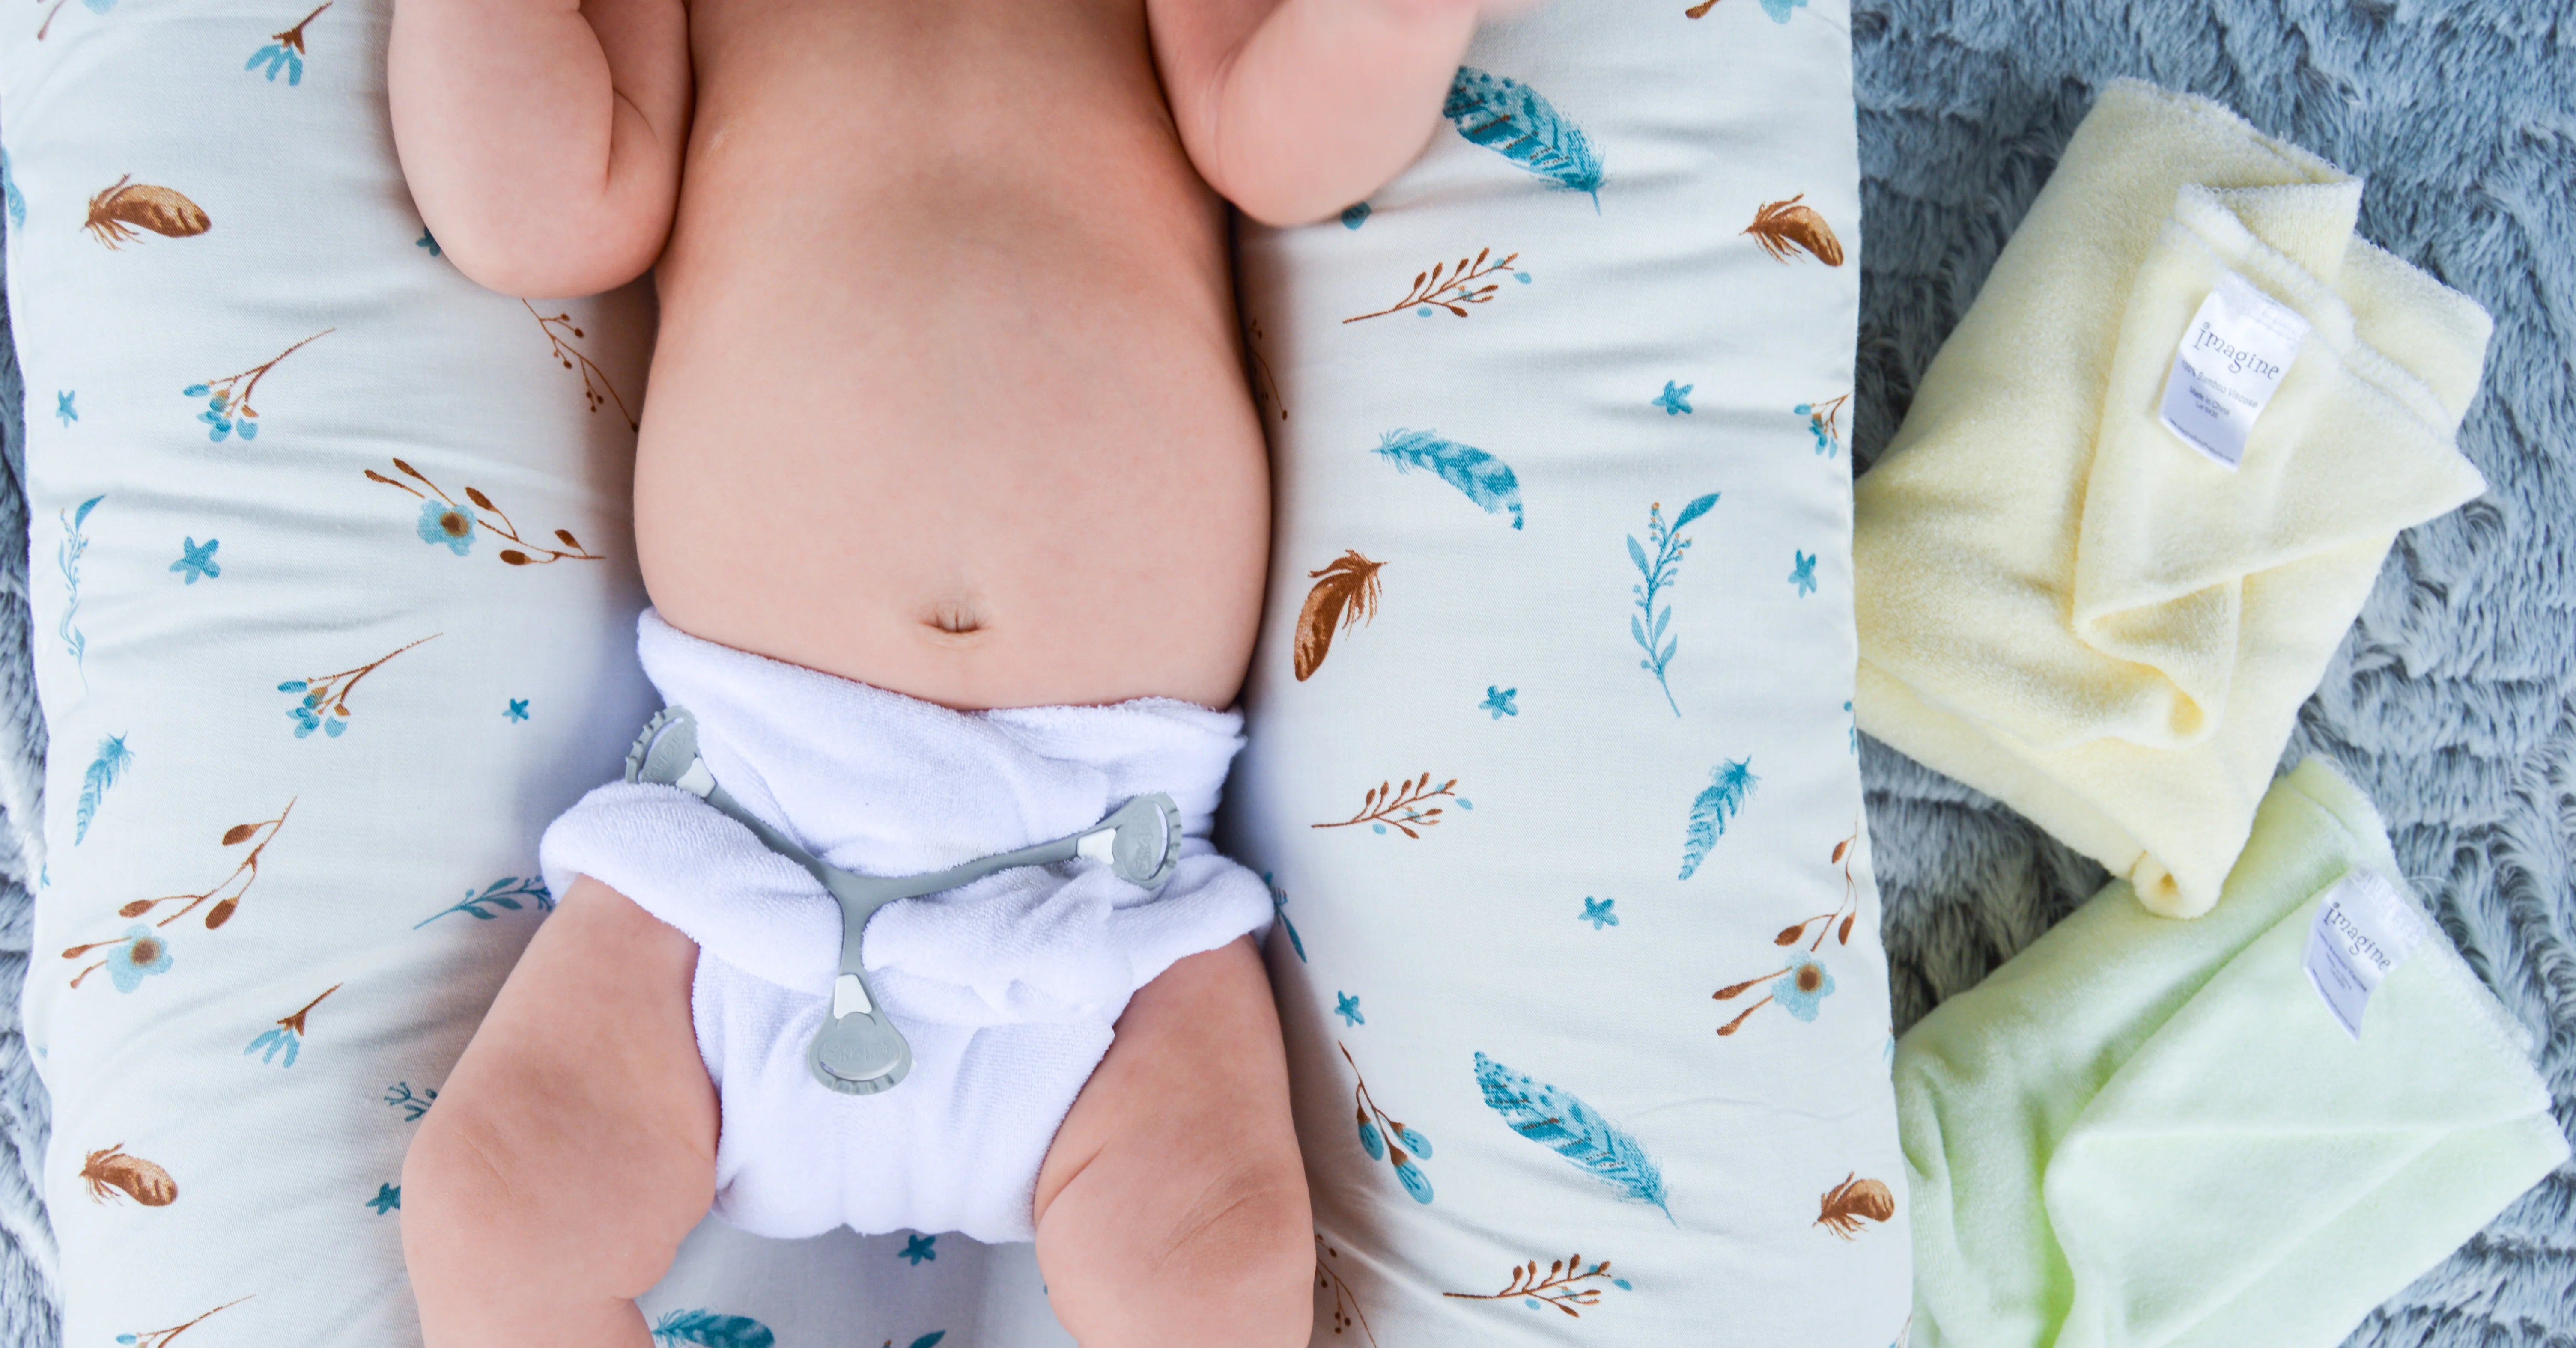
x,y
2231,359
2364,929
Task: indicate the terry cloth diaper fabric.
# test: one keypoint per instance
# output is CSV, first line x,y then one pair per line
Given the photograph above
x,y
1007,988
2063,603
2141,1132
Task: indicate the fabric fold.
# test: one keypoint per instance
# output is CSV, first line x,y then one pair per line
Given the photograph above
x,y
2064,604
2140,1132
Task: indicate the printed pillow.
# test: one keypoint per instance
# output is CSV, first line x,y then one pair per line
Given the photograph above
x,y
1551,757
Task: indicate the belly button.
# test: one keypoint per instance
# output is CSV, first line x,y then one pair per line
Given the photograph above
x,y
953,618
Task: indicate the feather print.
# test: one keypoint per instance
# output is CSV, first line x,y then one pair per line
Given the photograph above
x,y
1486,480
112,761
1509,118
1728,787
1345,595
1555,1119
707,1329
126,206
1785,227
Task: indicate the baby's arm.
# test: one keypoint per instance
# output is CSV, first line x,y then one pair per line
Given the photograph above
x,y
1296,108
542,138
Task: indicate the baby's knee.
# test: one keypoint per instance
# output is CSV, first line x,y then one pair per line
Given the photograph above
x,y
1230,1267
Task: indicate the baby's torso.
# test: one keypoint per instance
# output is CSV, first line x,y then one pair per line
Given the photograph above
x,y
948,341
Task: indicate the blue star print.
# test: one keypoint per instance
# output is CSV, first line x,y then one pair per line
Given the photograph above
x,y
518,709
1348,1008
63,408
1675,399
917,1248
388,1197
1597,912
195,562
1499,701
1804,574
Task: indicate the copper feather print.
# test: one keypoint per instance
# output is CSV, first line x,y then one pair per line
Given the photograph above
x,y
1345,595
113,1169
1784,228
1845,1204
126,206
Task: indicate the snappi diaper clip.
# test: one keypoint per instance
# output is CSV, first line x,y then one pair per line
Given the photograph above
x,y
858,1051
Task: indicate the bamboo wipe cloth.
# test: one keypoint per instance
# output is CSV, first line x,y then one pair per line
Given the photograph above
x,y
2141,1132
2063,604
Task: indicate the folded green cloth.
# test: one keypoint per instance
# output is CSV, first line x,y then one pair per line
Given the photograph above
x,y
2149,1132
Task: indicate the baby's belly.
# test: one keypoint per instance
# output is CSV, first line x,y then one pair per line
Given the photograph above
x,y
947,396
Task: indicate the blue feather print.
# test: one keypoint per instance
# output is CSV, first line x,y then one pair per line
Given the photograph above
x,y
1509,118
1486,480
1728,787
1555,1119
707,1329
112,761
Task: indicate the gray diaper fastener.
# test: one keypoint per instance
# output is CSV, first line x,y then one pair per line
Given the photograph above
x,y
859,1051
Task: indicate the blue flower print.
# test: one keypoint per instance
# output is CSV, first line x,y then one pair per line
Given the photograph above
x,y
917,1248
1597,912
388,1199
428,241
518,709
1779,10
449,523
1802,572
1803,988
63,407
1348,1008
197,563
1675,399
1499,701
1355,215
139,956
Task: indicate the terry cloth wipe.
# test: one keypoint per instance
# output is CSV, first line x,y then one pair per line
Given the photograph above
x,y
2065,605
2146,1132
1006,988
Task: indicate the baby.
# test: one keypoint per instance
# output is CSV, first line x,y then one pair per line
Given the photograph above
x,y
953,508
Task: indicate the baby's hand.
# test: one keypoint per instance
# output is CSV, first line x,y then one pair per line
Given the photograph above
x,y
1296,108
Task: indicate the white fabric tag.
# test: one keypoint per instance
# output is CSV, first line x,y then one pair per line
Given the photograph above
x,y
2364,929
2231,359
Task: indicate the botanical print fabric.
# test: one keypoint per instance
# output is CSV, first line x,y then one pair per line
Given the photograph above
x,y
1551,757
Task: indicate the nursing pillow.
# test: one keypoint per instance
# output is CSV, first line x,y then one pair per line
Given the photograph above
x,y
333,600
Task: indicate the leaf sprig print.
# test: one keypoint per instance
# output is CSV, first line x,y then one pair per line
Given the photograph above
x,y
1480,477
1345,595
446,521
1848,910
1656,574
1824,421
708,1329
1399,806
596,390
228,397
1511,119
160,1338
503,894
1568,1285
1430,291
103,771
1265,385
1786,228
1385,1139
1346,1303
1729,786
125,206
1555,1119
412,1104
1844,1205
324,705
226,894
67,558
285,51
288,1034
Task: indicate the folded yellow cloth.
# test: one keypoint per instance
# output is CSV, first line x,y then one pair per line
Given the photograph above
x,y
2150,1134
2065,605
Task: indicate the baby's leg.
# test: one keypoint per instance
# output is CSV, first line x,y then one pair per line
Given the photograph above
x,y
1172,1207
573,1146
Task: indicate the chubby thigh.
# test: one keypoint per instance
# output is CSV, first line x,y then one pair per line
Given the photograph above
x,y
574,1144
